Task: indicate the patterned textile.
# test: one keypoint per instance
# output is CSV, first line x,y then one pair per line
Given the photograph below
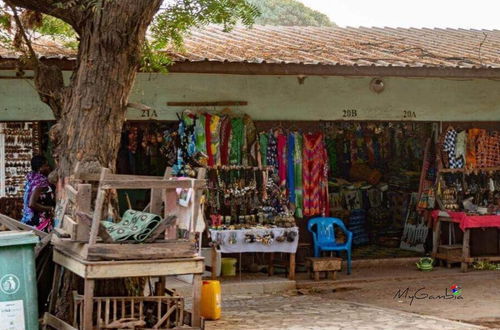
x,y
282,159
449,146
472,137
208,139
315,175
488,150
199,131
290,169
272,151
263,141
250,146
237,141
39,220
215,138
135,225
297,156
331,147
225,135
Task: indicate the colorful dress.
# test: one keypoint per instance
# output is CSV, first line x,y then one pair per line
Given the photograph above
x,y
40,220
297,156
282,160
237,141
225,135
315,175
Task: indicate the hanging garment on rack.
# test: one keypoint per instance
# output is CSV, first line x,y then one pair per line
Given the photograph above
x,y
315,175
237,140
208,139
199,131
263,141
472,138
215,138
291,168
449,146
282,155
297,156
331,147
250,147
272,151
225,135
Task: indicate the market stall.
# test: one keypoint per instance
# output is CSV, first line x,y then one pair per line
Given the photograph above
x,y
467,191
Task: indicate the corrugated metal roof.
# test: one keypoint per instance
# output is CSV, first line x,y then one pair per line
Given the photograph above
x,y
383,47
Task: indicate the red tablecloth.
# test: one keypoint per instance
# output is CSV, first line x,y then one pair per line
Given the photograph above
x,y
469,221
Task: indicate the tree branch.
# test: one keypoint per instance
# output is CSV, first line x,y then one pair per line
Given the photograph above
x,y
48,79
71,15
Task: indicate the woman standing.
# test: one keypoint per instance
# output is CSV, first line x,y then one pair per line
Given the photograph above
x,y
39,196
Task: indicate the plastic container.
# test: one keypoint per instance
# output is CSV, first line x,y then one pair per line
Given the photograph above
x,y
228,266
18,292
211,300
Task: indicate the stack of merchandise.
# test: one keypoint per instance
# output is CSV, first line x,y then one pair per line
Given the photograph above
x,y
357,225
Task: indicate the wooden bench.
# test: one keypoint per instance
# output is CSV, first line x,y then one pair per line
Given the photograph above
x,y
324,264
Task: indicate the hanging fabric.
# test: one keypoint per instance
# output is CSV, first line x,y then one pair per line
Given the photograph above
x,y
291,168
282,155
199,131
297,155
215,138
315,177
237,140
250,146
225,135
272,150
263,142
208,139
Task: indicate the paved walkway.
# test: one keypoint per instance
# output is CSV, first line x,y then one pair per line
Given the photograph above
x,y
318,312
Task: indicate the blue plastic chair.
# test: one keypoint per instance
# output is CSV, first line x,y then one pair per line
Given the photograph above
x,y
323,231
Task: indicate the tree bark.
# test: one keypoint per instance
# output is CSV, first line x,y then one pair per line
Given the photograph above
x,y
94,105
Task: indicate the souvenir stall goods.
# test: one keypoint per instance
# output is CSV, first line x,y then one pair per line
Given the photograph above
x,y
245,197
472,148
19,142
146,148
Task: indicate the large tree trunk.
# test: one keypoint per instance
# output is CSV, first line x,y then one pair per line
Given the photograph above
x,y
94,105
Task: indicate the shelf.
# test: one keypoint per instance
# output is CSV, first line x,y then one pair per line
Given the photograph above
x,y
469,170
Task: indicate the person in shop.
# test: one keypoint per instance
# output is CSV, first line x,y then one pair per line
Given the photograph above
x,y
39,196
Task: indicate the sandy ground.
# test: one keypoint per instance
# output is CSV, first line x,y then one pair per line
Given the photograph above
x,y
479,301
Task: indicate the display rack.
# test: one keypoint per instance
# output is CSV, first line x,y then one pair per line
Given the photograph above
x,y
19,142
82,246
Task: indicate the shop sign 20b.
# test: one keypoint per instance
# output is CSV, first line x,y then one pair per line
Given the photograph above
x,y
349,113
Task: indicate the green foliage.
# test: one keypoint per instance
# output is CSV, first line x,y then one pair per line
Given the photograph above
x,y
52,26
179,16
167,29
289,13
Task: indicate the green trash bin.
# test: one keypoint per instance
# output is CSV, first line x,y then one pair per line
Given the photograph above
x,y
18,293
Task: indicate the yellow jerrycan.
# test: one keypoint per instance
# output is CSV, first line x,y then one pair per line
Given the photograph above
x,y
211,300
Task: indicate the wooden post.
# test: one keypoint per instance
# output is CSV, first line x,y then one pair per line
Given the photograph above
x,y
156,201
196,316
53,294
213,261
83,204
96,219
270,271
88,304
291,274
436,236
465,250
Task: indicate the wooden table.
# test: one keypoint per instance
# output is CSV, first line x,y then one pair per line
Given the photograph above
x,y
93,270
270,271
441,252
